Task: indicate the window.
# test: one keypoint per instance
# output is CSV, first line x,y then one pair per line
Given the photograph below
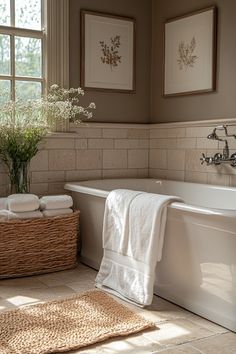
x,y
22,73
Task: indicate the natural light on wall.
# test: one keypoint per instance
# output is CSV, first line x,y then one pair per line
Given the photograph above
x,y
22,73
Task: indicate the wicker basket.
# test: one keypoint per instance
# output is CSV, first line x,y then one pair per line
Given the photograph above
x,y
38,246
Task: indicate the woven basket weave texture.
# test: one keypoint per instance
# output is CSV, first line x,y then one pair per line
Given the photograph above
x,y
37,246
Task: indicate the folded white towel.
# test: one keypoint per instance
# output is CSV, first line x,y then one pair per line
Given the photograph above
x,y
133,235
3,203
21,202
5,215
29,215
56,202
57,212
9,215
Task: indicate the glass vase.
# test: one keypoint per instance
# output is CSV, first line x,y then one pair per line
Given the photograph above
x,y
19,176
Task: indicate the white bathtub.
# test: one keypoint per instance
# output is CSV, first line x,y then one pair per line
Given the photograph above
x,y
198,266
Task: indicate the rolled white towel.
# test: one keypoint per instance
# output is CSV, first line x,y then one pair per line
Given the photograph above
x,y
57,212
6,215
29,215
56,202
19,203
3,203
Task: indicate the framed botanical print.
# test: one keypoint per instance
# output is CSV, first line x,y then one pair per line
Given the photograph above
x,y
107,52
190,53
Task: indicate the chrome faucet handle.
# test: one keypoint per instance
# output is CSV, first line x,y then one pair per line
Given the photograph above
x,y
208,160
218,158
233,159
203,158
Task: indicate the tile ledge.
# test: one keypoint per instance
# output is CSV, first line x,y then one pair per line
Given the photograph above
x,y
196,123
62,135
110,125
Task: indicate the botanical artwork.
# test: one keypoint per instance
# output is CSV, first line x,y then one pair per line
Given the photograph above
x,y
190,53
110,53
186,58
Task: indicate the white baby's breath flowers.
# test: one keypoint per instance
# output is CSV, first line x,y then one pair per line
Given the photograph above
x,y
80,91
92,105
23,124
57,105
61,104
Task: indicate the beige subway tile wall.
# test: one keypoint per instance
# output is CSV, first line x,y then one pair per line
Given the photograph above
x,y
175,153
168,151
114,150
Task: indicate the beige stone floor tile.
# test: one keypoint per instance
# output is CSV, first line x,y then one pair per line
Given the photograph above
x,y
24,282
129,345
82,272
81,285
159,311
30,296
62,290
51,279
217,329
6,305
180,349
164,310
74,275
219,344
8,291
178,331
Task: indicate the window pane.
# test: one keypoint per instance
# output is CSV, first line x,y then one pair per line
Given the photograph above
x,y
28,90
5,12
28,53
5,67
28,14
5,90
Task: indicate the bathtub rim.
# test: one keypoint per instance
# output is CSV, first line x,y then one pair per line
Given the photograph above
x,y
80,187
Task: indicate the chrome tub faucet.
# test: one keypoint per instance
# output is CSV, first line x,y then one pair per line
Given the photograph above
x,y
219,158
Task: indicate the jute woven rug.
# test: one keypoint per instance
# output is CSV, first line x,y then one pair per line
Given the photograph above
x,y
63,325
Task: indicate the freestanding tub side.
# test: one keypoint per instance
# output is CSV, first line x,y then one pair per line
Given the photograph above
x,y
198,266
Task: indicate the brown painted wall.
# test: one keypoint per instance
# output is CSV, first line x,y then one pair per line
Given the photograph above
x,y
220,104
117,107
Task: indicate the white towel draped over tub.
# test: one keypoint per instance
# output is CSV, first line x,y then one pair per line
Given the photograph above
x,y
133,235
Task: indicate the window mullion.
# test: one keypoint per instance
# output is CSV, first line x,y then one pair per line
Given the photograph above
x,y
29,78
12,49
12,11
43,43
24,32
43,12
5,77
12,56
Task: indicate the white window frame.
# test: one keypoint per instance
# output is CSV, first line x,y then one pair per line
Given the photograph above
x,y
13,31
57,33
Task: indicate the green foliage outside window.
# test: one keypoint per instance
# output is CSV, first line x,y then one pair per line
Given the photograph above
x,y
28,50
